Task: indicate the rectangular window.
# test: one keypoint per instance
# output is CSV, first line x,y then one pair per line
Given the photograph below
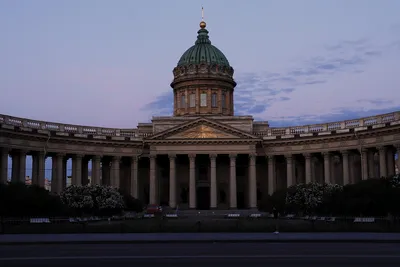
x,y
223,101
214,100
192,100
183,102
203,100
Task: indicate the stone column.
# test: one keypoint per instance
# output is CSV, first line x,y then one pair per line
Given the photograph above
x,y
364,163
59,173
397,146
35,167
192,181
153,180
371,165
289,170
77,170
232,182
134,177
3,165
115,172
390,162
271,174
307,157
346,175
252,182
213,182
85,171
41,172
382,161
22,166
172,180
96,170
327,172
105,172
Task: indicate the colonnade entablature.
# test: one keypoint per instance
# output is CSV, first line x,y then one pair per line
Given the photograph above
x,y
146,130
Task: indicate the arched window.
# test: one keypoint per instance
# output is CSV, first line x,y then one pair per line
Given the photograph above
x,y
223,100
203,100
183,102
192,100
214,100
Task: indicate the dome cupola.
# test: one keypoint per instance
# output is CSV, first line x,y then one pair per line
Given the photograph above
x,y
203,80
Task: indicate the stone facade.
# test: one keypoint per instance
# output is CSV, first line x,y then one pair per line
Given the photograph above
x,y
203,157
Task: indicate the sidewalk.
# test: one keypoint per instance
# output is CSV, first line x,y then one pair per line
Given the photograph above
x,y
198,237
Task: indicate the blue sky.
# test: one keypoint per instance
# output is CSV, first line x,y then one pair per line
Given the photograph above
x,y
109,63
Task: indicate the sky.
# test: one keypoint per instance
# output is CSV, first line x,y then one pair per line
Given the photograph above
x,y
109,63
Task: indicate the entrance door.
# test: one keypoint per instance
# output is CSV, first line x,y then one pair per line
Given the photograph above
x,y
203,198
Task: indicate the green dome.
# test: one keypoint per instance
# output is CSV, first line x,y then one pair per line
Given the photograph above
x,y
203,52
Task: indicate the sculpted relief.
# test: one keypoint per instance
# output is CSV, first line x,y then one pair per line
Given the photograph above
x,y
203,131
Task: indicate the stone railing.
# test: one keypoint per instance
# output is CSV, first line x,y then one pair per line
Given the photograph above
x,y
377,121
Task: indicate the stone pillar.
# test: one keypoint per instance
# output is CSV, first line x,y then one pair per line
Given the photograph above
x,y
96,170
41,171
134,177
172,181
307,157
15,166
115,180
105,169
22,166
35,167
364,163
252,182
3,165
271,174
59,173
85,171
390,162
327,172
346,175
153,180
382,161
397,146
192,181
232,182
77,170
371,165
289,170
213,182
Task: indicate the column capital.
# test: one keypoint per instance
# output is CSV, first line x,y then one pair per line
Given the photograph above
x,y
192,156
213,156
344,152
397,146
252,155
307,155
152,156
381,148
288,156
78,156
97,157
172,156
60,155
23,151
326,154
134,159
116,158
270,157
41,153
232,156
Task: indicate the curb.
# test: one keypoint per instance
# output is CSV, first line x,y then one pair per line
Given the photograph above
x,y
202,241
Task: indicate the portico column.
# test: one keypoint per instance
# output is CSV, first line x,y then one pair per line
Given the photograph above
x,y
22,166
172,181
153,177
382,161
327,172
115,171
252,182
3,165
289,169
96,170
213,182
397,146
232,182
41,172
271,174
134,177
364,163
35,167
192,181
77,168
390,162
346,175
371,164
59,173
307,156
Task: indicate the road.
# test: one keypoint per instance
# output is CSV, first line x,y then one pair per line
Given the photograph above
x,y
202,254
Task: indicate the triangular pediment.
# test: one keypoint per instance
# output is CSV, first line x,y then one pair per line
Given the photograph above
x,y
203,129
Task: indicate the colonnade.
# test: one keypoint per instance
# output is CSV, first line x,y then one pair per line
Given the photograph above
x,y
263,174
